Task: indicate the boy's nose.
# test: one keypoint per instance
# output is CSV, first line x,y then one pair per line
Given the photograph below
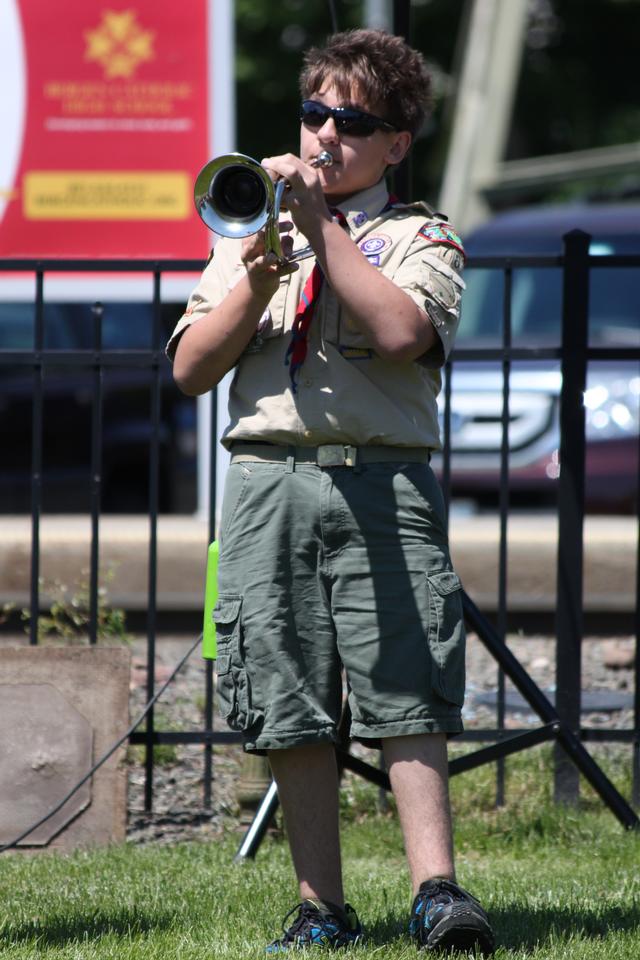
x,y
328,131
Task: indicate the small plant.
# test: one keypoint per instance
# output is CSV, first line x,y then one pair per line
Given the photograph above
x,y
6,609
200,703
69,613
164,754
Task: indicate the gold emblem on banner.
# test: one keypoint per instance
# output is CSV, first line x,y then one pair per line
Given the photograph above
x,y
119,44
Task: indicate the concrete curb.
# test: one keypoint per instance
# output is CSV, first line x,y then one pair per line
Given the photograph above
x,y
611,549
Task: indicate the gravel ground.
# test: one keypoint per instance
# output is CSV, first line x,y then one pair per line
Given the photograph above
x,y
608,677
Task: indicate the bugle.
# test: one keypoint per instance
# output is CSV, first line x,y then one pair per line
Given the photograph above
x,y
235,197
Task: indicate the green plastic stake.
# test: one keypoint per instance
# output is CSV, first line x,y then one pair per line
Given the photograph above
x,y
210,597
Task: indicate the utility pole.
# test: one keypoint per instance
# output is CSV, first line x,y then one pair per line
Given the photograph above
x,y
484,103
378,15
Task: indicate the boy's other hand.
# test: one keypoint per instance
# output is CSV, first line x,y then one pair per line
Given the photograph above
x,y
263,267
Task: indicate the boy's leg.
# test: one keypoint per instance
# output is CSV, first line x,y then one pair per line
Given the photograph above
x,y
417,767
444,917
307,779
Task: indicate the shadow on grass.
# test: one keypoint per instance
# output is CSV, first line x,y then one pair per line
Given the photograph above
x,y
528,928
59,931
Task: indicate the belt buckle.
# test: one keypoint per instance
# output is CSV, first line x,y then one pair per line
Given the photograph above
x,y
336,455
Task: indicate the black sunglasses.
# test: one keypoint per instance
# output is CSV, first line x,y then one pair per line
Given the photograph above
x,y
347,120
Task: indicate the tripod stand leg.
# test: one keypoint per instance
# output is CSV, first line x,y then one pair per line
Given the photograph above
x,y
548,713
259,825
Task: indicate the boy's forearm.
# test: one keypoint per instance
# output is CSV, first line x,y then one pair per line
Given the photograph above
x,y
211,346
395,325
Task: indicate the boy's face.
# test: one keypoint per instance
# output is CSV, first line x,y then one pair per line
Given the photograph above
x,y
358,162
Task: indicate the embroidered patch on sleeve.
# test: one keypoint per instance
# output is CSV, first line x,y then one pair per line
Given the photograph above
x,y
375,244
441,233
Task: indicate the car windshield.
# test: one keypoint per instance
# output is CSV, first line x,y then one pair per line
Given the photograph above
x,y
536,294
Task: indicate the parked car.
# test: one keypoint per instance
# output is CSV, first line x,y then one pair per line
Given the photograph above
x,y
612,397
67,414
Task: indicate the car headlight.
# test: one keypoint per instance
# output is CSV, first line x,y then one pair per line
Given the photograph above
x,y
612,408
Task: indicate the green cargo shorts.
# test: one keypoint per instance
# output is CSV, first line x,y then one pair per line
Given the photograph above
x,y
330,568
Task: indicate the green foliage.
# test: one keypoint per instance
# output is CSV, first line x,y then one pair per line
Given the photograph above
x,y
6,609
270,43
566,98
69,614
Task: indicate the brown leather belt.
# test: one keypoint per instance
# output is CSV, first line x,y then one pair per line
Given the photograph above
x,y
327,454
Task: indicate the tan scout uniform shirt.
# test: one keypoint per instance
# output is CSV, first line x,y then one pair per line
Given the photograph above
x,y
346,394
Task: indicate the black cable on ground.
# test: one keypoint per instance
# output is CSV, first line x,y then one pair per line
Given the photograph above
x,y
110,751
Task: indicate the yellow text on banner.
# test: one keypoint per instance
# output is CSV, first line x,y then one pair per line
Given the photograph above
x,y
106,195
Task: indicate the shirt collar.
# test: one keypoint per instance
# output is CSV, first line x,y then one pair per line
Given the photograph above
x,y
365,206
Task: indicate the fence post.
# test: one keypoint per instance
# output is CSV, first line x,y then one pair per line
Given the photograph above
x,y
569,618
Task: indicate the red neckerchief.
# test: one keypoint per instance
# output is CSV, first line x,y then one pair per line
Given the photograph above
x,y
297,349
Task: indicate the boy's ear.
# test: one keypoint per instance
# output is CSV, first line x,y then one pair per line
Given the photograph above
x,y
399,148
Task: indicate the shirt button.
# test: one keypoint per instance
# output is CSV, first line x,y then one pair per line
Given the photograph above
x,y
308,382
307,434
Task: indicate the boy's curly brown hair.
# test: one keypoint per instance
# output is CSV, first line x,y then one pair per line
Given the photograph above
x,y
380,68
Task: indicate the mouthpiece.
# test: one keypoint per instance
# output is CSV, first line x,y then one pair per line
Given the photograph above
x,y
324,159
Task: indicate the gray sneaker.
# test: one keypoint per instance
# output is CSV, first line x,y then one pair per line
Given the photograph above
x,y
445,917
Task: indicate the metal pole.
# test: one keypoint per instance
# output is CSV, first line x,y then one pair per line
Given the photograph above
x,y
96,474
575,315
403,174
402,19
222,139
152,589
635,794
209,684
539,702
504,511
260,824
36,456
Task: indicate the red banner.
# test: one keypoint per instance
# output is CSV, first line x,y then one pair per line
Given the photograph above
x,y
107,130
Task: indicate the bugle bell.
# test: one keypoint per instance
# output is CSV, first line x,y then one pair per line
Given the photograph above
x,y
235,197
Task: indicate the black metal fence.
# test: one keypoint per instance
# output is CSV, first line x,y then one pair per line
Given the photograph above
x,y
574,354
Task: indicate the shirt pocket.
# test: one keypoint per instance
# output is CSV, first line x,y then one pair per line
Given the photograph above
x,y
349,336
232,681
446,636
273,321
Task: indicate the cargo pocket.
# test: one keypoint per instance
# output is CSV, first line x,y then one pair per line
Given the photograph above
x,y
232,682
446,636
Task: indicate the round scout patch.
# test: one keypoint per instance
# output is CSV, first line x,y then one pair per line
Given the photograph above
x,y
375,244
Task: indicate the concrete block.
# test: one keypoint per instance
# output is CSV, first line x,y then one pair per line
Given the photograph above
x,y
61,709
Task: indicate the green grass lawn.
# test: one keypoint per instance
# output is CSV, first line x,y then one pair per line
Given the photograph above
x,y
557,883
